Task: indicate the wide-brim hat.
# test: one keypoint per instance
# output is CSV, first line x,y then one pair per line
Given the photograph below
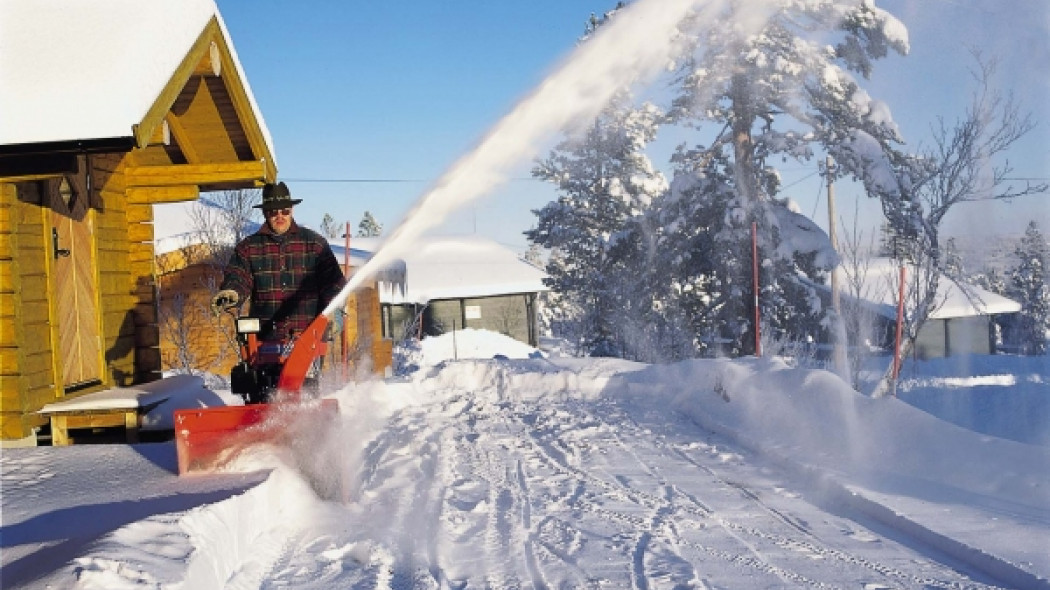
x,y
277,196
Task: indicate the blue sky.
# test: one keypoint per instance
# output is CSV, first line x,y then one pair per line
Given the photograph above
x,y
369,102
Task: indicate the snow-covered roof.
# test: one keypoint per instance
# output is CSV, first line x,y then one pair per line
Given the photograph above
x,y
879,286
454,267
800,234
110,58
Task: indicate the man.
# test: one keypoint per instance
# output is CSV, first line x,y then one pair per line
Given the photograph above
x,y
288,271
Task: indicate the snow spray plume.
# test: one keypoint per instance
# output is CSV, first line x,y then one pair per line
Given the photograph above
x,y
632,47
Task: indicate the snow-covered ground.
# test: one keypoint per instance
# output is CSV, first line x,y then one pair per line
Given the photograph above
x,y
504,468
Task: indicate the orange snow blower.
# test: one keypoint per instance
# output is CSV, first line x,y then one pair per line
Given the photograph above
x,y
269,377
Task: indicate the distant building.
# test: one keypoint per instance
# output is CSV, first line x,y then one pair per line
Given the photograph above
x,y
451,283
962,322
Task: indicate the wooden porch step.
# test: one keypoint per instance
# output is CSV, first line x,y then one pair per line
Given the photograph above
x,y
116,407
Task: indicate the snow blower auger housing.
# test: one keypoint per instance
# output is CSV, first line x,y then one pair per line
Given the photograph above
x,y
269,377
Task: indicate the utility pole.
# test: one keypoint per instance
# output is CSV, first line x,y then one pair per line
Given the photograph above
x,y
839,332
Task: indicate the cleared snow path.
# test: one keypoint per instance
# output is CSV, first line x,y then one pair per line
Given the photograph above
x,y
491,480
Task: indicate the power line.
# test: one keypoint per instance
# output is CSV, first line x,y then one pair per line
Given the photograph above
x,y
354,180
820,191
808,176
379,180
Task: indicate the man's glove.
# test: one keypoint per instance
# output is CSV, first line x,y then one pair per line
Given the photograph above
x,y
224,300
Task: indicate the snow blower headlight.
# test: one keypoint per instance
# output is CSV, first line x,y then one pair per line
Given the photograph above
x,y
248,326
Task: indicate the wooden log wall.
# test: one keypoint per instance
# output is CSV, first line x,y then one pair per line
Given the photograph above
x,y
128,284
10,330
27,374
365,320
126,290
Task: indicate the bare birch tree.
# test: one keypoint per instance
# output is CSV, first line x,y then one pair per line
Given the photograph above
x,y
965,163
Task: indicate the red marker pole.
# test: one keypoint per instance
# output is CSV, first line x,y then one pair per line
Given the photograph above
x,y
754,272
900,331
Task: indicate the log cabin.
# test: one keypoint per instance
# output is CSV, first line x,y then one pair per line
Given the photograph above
x,y
108,107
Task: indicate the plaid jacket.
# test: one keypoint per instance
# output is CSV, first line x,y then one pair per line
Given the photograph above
x,y
290,278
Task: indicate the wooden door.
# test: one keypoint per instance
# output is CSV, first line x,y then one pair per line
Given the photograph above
x,y
74,283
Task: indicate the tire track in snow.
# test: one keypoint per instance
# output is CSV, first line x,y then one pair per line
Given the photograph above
x,y
409,446
808,545
539,540
526,524
513,493
659,510
620,485
477,505
659,531
665,509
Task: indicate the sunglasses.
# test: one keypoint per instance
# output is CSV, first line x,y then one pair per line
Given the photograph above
x,y
276,212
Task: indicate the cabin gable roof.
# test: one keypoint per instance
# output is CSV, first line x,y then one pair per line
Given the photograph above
x,y
112,75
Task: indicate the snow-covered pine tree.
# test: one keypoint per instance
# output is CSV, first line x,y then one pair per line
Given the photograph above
x,y
557,314
701,300
534,256
369,227
1028,284
990,279
604,179
772,97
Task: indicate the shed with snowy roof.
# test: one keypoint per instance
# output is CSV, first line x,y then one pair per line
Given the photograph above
x,y
109,107
462,282
963,320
